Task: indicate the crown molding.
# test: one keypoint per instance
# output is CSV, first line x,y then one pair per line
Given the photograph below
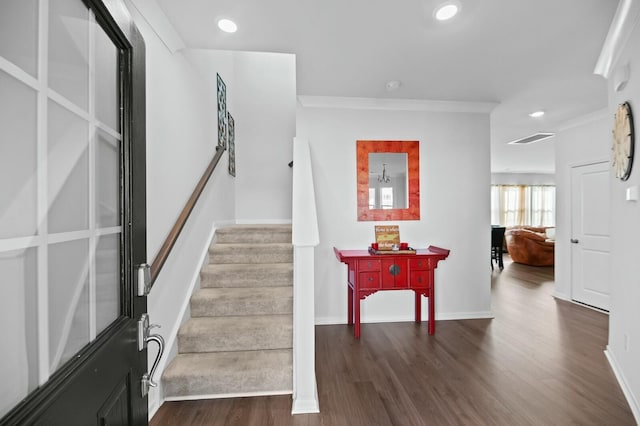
x,y
584,119
155,17
395,104
623,23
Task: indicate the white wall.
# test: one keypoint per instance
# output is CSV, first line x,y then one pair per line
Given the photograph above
x,y
181,138
624,319
585,143
265,127
262,90
455,177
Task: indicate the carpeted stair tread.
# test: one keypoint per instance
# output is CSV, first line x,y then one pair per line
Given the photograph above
x,y
223,373
251,253
242,301
254,234
236,333
239,337
247,275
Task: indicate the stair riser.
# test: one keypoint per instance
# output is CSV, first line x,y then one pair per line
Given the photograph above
x,y
273,338
223,255
203,308
227,373
280,381
242,278
255,237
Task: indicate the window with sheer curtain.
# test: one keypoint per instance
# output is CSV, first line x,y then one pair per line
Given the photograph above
x,y
519,205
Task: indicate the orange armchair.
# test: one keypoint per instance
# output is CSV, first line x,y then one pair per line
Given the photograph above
x,y
530,246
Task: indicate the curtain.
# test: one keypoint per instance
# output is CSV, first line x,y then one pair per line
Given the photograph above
x,y
519,205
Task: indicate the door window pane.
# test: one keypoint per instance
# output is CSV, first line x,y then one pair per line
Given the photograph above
x,y
61,194
18,313
69,50
107,87
68,300
68,171
18,181
107,281
19,33
107,181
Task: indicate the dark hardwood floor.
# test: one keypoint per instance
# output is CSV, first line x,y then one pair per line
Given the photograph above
x,y
540,361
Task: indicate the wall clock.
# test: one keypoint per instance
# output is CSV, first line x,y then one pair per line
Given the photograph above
x,y
623,141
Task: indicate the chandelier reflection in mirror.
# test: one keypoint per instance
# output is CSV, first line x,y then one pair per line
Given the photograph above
x,y
384,178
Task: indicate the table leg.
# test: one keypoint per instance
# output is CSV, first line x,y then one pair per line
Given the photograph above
x,y
356,326
432,311
350,305
418,307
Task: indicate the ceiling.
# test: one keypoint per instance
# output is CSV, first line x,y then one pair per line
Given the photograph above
x,y
524,55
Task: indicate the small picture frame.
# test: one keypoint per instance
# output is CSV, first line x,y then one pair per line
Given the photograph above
x,y
387,237
232,145
222,113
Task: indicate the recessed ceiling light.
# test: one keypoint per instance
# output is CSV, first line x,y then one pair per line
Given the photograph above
x,y
392,85
227,25
536,114
446,11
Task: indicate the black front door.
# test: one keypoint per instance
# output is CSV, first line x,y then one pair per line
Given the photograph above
x,y
72,213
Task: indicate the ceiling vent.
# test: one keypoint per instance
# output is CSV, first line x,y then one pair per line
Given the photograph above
x,y
531,139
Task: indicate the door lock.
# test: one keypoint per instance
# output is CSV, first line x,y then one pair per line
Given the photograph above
x,y
143,279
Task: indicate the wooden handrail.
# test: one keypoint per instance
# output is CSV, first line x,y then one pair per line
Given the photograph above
x,y
170,241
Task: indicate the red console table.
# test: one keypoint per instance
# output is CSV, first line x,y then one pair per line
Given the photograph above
x,y
369,273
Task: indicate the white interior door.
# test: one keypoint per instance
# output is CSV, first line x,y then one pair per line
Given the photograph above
x,y
590,213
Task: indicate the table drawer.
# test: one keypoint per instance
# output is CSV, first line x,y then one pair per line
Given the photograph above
x,y
418,263
369,265
369,280
420,279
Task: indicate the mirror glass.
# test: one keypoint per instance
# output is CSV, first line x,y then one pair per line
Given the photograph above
x,y
388,180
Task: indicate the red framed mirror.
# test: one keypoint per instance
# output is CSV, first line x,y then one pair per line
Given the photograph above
x,y
388,180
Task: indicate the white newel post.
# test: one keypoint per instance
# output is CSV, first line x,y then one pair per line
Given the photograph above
x,y
305,238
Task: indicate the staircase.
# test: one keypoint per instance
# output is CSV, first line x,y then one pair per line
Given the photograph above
x,y
239,339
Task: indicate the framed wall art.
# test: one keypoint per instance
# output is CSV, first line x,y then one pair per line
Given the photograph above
x,y
232,145
222,114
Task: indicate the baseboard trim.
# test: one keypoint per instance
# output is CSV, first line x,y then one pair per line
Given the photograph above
x,y
465,316
222,223
631,400
561,296
450,316
305,406
228,395
263,222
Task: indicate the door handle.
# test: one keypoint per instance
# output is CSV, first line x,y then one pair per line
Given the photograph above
x,y
144,337
147,378
574,241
